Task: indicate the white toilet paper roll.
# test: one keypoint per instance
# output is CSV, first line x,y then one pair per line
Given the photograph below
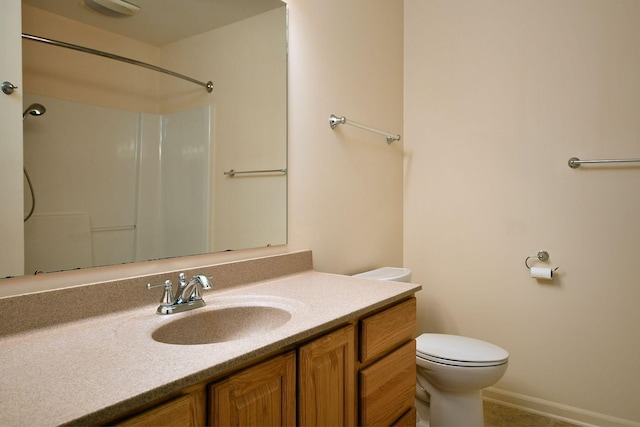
x,y
542,273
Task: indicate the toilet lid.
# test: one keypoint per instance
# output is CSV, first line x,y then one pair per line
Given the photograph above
x,y
459,351
397,274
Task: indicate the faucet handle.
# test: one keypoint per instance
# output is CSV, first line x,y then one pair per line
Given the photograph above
x,y
167,296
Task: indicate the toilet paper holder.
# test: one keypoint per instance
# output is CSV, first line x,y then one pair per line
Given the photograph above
x,y
541,255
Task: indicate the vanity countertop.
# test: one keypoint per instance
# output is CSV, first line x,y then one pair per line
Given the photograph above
x,y
88,371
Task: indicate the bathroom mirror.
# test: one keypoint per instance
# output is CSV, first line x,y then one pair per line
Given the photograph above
x,y
127,164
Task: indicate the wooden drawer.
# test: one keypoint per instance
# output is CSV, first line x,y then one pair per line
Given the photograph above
x,y
388,386
386,330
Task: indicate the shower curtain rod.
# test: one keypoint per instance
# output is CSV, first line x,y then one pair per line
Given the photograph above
x,y
208,86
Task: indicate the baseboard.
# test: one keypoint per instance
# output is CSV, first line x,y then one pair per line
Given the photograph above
x,y
554,410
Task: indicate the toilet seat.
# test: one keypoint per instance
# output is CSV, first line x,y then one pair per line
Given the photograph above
x,y
456,350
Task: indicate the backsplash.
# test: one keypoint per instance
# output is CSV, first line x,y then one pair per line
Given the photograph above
x,y
48,308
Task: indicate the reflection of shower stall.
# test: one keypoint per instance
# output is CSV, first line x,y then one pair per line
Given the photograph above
x,y
115,186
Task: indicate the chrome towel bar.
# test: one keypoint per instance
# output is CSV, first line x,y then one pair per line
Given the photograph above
x,y
113,228
208,85
335,121
233,173
575,162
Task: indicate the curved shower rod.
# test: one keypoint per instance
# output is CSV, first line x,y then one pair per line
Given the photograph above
x,y
208,85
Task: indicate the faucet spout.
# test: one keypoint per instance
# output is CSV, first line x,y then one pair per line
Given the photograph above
x,y
201,283
191,291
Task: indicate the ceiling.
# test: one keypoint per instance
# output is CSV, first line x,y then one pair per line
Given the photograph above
x,y
160,22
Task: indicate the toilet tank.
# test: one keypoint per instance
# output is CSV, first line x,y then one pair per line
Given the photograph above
x,y
396,274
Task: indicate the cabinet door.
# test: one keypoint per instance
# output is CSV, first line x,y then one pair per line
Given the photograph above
x,y
181,411
262,395
326,380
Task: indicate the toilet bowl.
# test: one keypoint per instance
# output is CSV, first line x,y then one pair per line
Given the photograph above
x,y
453,370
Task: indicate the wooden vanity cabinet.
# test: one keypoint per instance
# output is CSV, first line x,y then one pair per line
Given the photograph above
x,y
360,374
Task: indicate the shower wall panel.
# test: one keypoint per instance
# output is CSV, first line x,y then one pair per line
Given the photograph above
x,y
82,161
185,163
173,209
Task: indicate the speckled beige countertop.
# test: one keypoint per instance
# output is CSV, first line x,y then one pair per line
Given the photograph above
x,y
89,370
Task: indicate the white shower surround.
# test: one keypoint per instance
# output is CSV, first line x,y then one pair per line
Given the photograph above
x,y
141,179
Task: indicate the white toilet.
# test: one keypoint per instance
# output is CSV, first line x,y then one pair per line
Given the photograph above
x,y
451,370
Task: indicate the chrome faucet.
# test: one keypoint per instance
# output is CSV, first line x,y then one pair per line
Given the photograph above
x,y
187,297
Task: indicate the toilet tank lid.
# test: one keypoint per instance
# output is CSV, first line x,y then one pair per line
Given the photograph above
x,y
460,349
397,274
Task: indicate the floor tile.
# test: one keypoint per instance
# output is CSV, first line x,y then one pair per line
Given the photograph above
x,y
503,416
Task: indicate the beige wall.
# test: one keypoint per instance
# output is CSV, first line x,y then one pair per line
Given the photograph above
x,y
498,96
345,185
